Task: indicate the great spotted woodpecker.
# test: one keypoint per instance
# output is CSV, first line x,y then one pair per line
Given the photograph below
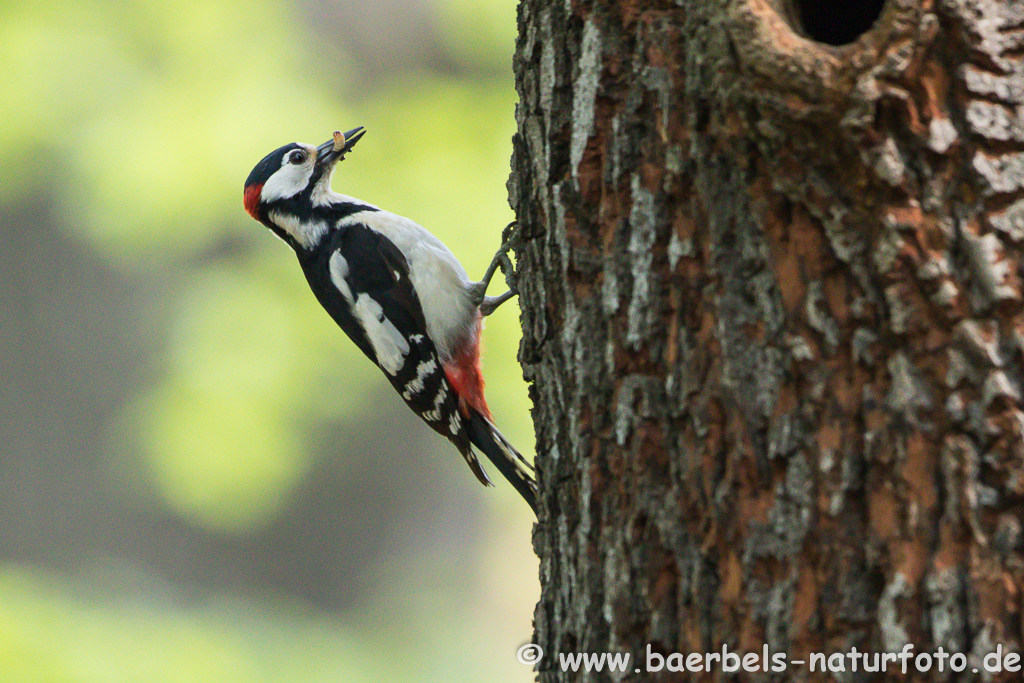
x,y
396,290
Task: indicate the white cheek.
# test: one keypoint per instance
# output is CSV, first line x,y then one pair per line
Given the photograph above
x,y
287,182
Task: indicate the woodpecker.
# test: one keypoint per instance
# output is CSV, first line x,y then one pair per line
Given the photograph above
x,y
396,290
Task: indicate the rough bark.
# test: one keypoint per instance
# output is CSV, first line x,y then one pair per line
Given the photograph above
x,y
772,317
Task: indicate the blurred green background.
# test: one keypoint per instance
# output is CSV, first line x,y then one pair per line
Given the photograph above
x,y
201,479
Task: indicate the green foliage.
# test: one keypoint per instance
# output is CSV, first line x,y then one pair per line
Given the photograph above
x,y
56,630
134,123
157,113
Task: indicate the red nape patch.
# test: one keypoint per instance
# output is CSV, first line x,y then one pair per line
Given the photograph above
x,y
252,200
463,373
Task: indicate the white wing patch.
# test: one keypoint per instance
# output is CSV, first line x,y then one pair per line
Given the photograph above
x,y
339,272
423,370
389,345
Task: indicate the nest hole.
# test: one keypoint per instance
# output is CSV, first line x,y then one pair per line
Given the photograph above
x,y
836,23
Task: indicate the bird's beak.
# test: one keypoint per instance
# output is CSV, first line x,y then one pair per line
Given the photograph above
x,y
330,152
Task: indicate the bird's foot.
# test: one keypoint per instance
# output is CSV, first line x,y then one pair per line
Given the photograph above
x,y
488,304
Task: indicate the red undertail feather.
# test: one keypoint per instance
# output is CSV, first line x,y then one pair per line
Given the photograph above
x,y
464,374
252,199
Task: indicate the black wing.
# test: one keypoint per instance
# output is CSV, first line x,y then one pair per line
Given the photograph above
x,y
368,293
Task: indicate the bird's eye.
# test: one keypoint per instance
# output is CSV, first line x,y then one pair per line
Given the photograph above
x,y
297,157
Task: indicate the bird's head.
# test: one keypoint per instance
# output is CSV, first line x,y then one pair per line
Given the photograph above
x,y
290,180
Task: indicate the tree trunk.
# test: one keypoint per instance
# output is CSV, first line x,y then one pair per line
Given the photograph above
x,y
773,323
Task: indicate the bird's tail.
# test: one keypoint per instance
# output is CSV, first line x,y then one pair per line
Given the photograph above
x,y
486,437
